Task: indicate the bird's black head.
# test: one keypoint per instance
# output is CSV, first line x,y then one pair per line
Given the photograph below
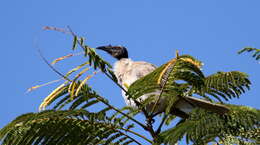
x,y
117,52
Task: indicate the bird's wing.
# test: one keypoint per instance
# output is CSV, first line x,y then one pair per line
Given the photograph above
x,y
217,108
186,104
142,68
135,71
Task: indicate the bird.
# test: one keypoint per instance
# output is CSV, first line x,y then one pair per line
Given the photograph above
x,y
128,71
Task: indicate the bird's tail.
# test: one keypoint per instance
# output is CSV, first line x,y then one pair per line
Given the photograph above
x,y
187,104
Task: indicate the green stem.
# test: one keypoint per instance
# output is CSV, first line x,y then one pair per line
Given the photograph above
x,y
130,137
137,134
56,71
161,124
114,108
163,85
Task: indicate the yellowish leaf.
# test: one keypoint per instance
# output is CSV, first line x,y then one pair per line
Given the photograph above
x,y
82,83
165,69
126,85
52,95
81,73
76,68
61,58
66,56
72,88
196,63
33,88
38,86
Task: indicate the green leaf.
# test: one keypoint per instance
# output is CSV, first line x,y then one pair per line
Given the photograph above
x,y
75,41
256,53
175,78
226,85
59,127
203,127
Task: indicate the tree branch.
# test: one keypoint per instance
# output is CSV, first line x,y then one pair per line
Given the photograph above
x,y
161,124
104,102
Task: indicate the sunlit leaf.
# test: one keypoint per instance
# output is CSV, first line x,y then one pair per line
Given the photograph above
x,y
61,58
52,95
82,83
76,69
45,84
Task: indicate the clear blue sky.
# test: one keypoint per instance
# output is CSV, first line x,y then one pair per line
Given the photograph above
x,y
213,31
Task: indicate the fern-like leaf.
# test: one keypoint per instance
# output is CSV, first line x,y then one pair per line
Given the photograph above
x,y
226,85
171,80
62,127
256,51
203,127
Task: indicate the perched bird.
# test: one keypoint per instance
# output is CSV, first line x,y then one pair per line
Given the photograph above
x,y
128,71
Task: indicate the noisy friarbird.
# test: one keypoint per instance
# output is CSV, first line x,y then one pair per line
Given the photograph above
x,y
128,71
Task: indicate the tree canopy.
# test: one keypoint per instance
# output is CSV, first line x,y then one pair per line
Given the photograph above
x,y
69,118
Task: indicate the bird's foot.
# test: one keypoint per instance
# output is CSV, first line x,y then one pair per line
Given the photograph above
x,y
150,120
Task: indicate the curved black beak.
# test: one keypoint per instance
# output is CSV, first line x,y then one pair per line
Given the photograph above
x,y
107,48
116,51
104,47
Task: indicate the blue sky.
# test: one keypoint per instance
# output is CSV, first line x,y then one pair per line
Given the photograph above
x,y
212,31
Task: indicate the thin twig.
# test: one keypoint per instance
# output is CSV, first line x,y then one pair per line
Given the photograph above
x,y
161,124
161,91
121,87
137,134
131,137
104,102
56,29
55,70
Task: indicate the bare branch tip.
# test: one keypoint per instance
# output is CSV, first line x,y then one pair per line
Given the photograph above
x,y
177,53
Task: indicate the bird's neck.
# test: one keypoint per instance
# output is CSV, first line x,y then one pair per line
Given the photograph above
x,y
122,66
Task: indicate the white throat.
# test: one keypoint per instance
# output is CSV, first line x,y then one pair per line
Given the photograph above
x,y
121,67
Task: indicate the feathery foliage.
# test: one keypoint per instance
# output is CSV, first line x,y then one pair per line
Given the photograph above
x,y
63,127
167,77
182,77
225,85
256,51
203,127
85,99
